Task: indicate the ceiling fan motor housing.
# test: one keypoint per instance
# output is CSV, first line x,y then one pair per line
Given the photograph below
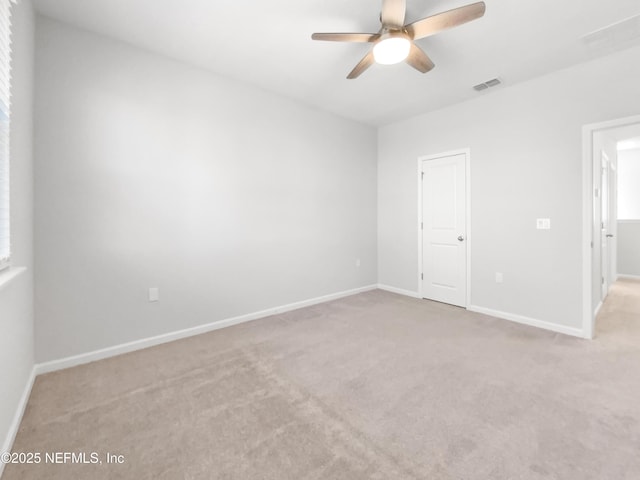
x,y
392,47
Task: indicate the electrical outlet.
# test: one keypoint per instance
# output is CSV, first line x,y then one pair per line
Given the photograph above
x,y
498,277
154,294
358,262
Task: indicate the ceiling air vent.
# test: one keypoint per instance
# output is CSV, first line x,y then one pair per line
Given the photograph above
x,y
489,83
617,36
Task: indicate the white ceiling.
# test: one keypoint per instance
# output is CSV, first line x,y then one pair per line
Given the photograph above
x,y
267,43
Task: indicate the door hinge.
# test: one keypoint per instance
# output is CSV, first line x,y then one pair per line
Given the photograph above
x,y
422,276
603,280
422,176
421,226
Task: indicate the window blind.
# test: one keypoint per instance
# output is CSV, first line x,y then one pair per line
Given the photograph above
x,y
5,111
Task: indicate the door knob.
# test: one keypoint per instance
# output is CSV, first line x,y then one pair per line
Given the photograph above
x,y
461,238
609,235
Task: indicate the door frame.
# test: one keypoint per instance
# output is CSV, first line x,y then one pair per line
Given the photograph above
x,y
605,260
588,189
613,210
467,171
610,246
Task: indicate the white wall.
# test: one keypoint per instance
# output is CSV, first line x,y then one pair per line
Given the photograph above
x,y
16,297
629,184
152,173
526,150
629,248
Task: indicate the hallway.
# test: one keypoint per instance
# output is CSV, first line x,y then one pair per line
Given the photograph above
x,y
619,318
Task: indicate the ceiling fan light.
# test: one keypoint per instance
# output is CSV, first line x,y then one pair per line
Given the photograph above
x,y
390,51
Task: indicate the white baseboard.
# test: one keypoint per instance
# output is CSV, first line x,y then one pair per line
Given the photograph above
x,y
399,291
17,417
575,332
622,276
103,353
554,327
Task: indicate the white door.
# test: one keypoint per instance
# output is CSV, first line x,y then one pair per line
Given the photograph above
x,y
613,222
444,251
605,238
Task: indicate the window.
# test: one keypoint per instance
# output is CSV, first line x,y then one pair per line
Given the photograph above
x,y
5,77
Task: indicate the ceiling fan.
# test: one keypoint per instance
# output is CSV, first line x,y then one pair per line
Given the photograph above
x,y
395,41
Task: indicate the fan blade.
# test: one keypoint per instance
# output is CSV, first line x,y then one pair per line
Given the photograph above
x,y
346,37
418,59
365,63
442,21
393,12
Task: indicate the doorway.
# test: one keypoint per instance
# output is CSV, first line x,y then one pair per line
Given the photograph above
x,y
628,211
444,227
601,221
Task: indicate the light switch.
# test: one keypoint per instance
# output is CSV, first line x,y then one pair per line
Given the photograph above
x,y
543,223
154,294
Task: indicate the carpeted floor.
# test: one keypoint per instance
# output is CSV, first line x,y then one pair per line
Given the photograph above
x,y
373,386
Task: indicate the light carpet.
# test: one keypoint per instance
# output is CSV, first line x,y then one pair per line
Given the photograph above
x,y
372,386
